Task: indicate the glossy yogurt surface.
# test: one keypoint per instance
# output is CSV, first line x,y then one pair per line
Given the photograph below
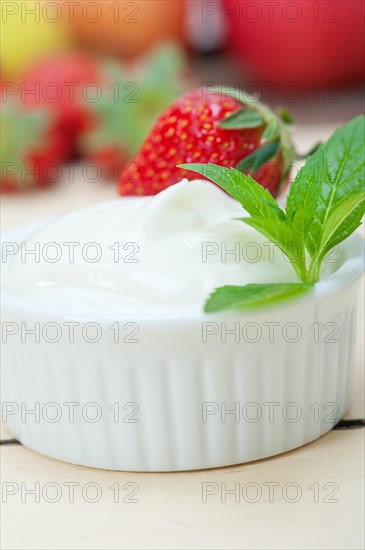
x,y
150,255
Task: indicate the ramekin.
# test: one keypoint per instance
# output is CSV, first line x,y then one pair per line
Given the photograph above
x,y
184,397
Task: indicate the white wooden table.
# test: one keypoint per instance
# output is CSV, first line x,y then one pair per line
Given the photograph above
x,y
170,511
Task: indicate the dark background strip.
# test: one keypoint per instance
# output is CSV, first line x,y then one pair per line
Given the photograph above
x,y
342,425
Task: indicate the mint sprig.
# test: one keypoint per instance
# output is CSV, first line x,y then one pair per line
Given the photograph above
x,y
253,295
324,206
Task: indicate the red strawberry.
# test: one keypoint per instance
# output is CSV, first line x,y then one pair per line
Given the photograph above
x,y
31,152
224,128
61,84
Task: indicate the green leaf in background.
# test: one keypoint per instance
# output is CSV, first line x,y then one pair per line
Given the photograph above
x,y
253,295
243,118
161,79
163,62
285,115
21,132
134,97
110,110
259,157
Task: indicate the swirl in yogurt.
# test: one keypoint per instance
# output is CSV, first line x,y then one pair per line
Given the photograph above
x,y
158,255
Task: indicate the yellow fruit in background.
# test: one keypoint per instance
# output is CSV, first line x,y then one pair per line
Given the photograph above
x,y
30,30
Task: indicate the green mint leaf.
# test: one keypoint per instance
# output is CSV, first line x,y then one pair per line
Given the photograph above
x,y
342,221
302,199
242,118
256,200
342,178
325,205
351,222
266,215
309,153
253,295
284,236
259,157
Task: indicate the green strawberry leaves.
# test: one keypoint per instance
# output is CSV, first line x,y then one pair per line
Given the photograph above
x,y
324,206
248,101
259,157
272,130
285,115
240,119
274,138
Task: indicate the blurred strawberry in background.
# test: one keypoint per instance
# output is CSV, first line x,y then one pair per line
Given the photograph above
x,y
87,80
307,43
81,105
31,150
26,35
61,83
126,28
131,99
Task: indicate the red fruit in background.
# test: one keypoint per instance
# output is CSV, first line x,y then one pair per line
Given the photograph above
x,y
125,28
305,43
31,151
224,128
103,109
61,84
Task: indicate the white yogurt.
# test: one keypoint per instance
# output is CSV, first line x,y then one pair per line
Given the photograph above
x,y
154,255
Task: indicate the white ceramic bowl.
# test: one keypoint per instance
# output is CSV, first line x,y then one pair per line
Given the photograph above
x,y
165,403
